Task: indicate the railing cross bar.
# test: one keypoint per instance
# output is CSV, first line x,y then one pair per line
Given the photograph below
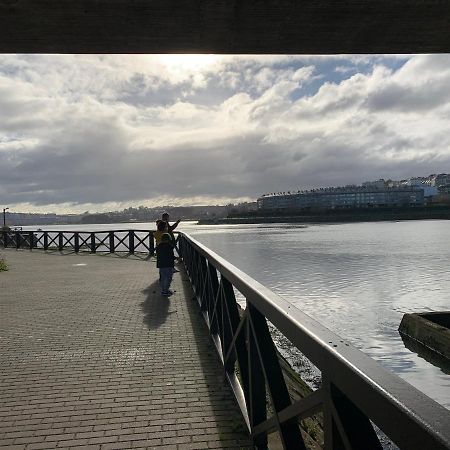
x,y
68,240
38,238
301,409
122,241
142,241
52,240
236,334
278,393
212,298
224,322
257,388
101,241
213,318
84,241
203,278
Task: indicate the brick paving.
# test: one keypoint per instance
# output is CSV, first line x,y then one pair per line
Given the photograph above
x,y
92,357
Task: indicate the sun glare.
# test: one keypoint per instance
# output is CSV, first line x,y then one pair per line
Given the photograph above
x,y
188,62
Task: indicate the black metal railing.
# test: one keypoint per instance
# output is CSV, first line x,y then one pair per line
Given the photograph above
x,y
355,391
127,241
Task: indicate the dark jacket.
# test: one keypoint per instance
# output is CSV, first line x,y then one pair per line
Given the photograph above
x,y
164,255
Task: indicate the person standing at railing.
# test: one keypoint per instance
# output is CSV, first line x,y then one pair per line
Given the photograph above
x,y
161,228
165,263
165,217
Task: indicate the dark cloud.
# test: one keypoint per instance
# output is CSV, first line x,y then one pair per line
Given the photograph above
x,y
409,99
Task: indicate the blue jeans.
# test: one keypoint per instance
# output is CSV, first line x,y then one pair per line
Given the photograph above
x,y
165,278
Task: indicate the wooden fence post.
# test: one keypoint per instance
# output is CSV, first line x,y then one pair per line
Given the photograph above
x,y
111,242
151,243
131,242
76,242
93,248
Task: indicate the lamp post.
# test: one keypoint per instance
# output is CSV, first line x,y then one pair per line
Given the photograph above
x,y
4,217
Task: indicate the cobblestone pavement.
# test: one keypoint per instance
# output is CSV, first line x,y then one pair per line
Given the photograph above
x,y
93,357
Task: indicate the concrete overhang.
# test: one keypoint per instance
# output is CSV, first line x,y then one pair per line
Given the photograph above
x,y
225,26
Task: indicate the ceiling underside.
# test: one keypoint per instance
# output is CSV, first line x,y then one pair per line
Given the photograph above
x,y
225,26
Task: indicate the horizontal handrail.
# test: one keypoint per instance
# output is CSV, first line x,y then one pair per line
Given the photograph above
x,y
352,382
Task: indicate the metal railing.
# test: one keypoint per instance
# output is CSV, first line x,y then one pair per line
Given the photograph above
x,y
128,241
354,393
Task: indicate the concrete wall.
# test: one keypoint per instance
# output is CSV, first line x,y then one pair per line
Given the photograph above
x,y
431,334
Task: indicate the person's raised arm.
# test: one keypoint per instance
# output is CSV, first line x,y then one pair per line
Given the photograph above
x,y
172,227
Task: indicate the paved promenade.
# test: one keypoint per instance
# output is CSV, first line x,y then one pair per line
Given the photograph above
x,y
92,357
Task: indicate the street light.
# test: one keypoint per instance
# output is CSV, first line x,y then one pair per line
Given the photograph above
x,y
4,217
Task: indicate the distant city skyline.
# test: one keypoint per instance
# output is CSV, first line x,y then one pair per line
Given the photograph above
x,y
434,180
101,133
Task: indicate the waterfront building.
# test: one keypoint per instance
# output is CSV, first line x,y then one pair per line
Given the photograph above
x,y
442,179
377,184
416,181
444,189
344,197
392,183
429,191
422,183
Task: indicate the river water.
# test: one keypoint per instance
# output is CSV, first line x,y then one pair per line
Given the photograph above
x,y
357,279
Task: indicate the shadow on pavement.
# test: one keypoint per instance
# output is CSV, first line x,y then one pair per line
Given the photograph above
x,y
230,425
155,307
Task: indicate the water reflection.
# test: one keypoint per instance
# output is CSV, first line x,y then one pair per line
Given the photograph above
x,y
432,357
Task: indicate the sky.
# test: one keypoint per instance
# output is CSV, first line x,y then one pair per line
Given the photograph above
x,y
104,132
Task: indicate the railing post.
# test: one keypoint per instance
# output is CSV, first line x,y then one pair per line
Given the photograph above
x,y
232,321
257,393
181,246
31,239
214,304
202,283
279,395
5,239
76,242
111,242
131,242
17,234
93,248
60,242
346,426
151,243
45,240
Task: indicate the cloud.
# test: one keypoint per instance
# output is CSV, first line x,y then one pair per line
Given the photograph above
x,y
91,132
